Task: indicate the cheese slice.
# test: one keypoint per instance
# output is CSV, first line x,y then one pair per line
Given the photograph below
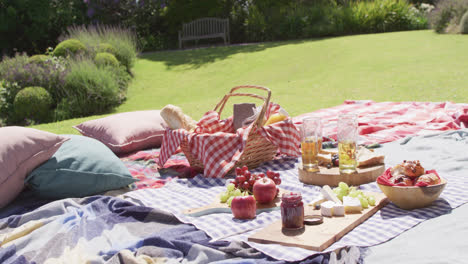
x,y
329,194
352,205
320,199
326,208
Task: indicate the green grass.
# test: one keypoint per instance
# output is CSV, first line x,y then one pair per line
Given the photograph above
x,y
303,75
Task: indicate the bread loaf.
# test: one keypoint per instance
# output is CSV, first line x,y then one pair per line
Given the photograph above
x,y
176,119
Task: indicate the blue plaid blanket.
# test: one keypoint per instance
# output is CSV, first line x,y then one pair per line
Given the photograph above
x,y
387,223
147,225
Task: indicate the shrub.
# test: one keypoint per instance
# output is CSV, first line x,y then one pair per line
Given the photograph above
x,y
69,47
8,91
106,59
38,59
464,24
50,74
90,90
33,103
447,15
123,40
106,47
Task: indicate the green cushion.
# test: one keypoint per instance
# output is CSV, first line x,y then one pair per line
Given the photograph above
x,y
81,167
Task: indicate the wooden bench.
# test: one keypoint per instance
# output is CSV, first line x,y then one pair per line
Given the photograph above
x,y
204,28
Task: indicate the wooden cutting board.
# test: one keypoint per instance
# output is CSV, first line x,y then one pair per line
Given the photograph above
x,y
316,237
217,207
332,176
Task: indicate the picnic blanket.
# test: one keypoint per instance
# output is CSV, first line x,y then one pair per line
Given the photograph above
x,y
389,222
389,121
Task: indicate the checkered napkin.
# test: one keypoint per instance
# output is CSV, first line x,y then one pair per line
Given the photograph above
x,y
219,149
387,223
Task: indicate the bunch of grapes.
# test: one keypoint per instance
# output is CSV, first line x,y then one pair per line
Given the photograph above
x,y
245,179
230,193
344,190
243,183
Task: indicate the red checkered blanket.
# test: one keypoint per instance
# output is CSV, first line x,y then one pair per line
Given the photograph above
x,y
219,150
389,121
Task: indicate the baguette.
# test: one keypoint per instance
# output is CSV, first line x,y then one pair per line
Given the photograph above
x,y
176,119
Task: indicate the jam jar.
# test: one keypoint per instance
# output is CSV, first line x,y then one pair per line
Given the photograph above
x,y
292,210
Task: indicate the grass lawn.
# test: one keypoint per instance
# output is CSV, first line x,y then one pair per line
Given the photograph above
x,y
303,75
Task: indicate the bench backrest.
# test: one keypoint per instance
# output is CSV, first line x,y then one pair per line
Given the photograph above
x,y
205,26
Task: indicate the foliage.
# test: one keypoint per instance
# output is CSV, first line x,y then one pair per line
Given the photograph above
x,y
464,24
8,91
69,47
33,103
39,59
91,90
33,25
106,47
106,59
121,39
304,19
447,15
50,74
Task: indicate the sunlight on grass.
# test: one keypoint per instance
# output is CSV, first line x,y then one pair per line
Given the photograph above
x,y
303,75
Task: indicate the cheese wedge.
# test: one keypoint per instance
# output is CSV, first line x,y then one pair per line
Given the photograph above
x,y
352,205
366,157
326,208
338,210
324,159
329,194
330,209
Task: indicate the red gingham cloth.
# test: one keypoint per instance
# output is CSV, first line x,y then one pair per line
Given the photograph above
x,y
219,149
389,121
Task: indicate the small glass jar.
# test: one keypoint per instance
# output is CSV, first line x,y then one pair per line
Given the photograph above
x,y
292,210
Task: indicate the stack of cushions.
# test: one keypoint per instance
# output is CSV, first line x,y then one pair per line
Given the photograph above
x,y
22,150
126,132
81,167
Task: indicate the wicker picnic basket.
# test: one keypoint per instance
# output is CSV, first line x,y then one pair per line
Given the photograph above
x,y
257,149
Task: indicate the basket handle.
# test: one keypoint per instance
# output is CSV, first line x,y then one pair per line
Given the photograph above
x,y
266,100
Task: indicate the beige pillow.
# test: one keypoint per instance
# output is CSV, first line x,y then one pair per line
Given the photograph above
x,y
126,132
22,150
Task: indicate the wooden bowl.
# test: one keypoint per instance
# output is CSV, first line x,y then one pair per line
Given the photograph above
x,y
411,197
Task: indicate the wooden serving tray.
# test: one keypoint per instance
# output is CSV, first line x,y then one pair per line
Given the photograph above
x,y
332,176
317,237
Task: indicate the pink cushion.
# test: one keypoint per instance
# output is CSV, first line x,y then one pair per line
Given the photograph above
x,y
126,132
22,150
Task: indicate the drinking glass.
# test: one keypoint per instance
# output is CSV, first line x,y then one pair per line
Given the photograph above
x,y
311,143
347,137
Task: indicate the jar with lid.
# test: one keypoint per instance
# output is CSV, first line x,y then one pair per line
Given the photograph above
x,y
292,210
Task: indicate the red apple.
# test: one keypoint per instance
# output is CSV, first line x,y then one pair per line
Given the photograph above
x,y
264,190
244,207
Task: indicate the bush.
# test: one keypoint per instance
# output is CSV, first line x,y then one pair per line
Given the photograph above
x,y
447,15
69,47
106,47
106,59
8,91
50,74
464,24
33,103
121,39
38,59
90,90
